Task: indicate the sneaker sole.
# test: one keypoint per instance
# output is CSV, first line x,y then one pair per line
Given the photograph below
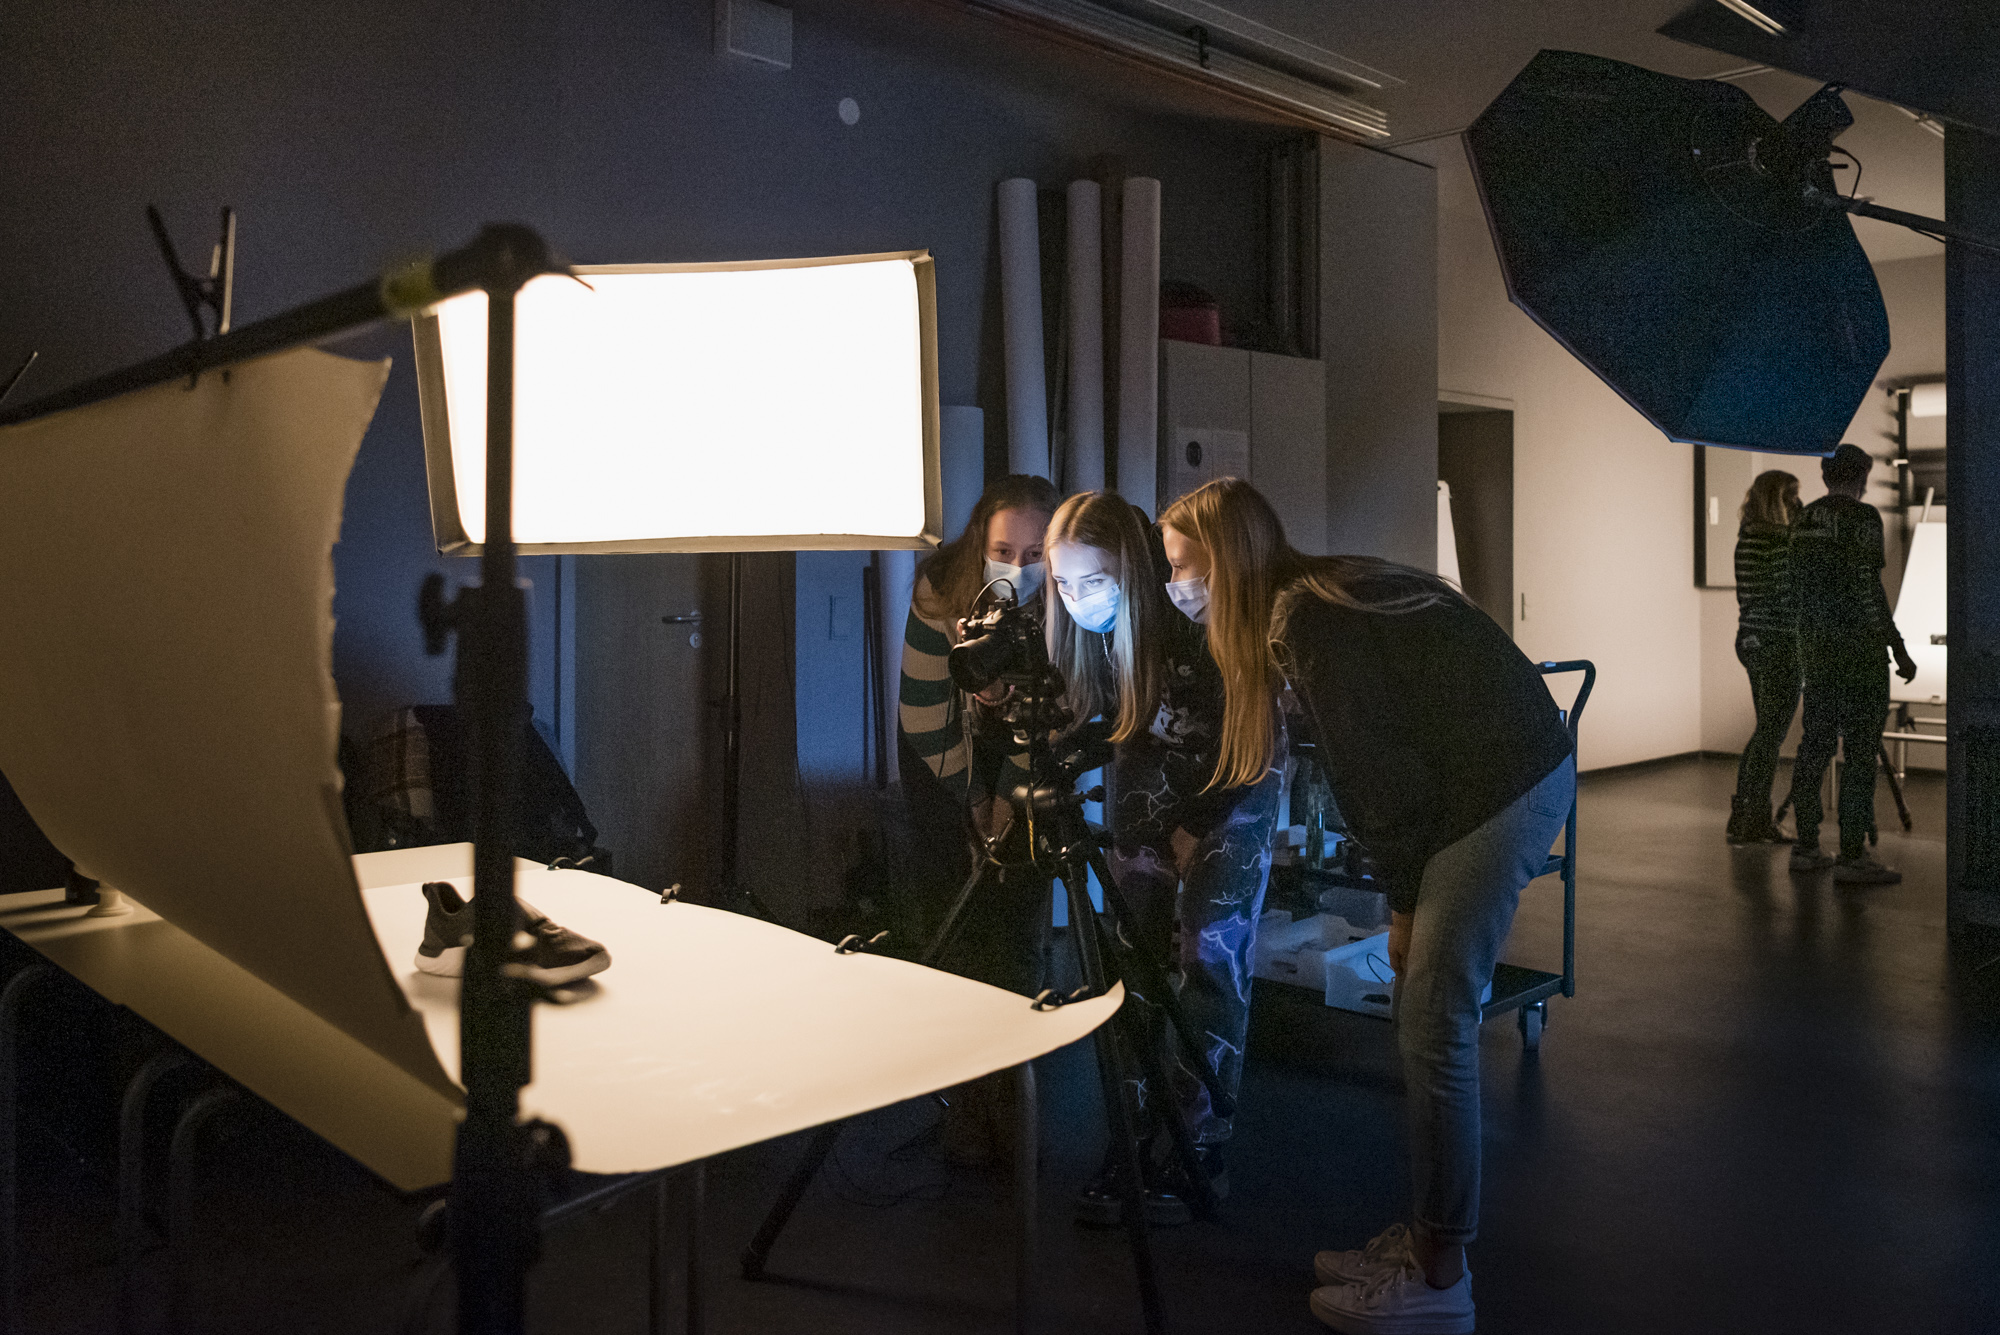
x,y
447,963
1415,1323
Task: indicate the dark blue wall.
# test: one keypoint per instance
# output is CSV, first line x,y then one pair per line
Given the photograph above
x,y
351,135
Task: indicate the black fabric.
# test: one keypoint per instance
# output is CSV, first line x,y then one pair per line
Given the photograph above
x,y
1772,660
550,821
1847,698
1188,730
1837,578
1428,722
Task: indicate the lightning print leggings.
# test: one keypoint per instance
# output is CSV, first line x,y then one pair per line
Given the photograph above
x,y
1200,915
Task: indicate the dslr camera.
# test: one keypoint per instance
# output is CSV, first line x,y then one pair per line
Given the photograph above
x,y
1004,646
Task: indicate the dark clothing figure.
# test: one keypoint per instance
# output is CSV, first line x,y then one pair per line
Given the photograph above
x,y
1199,913
1844,627
1767,646
1428,722
1772,660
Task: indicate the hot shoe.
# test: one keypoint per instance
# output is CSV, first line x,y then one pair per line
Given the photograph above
x,y
555,957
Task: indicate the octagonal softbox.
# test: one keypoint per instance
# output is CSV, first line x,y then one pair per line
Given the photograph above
x,y
1658,228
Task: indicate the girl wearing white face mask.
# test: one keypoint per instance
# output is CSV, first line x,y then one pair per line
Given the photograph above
x,y
949,772
1187,852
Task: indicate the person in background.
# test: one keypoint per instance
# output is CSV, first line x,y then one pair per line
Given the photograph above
x,y
1454,769
1191,848
1844,625
1767,644
955,774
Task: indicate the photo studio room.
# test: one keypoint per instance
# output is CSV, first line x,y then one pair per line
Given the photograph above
x,y
999,665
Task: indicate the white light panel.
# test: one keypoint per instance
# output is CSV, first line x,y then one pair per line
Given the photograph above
x,y
1920,616
697,408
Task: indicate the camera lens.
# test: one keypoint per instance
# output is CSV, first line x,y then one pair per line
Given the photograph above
x,y
978,662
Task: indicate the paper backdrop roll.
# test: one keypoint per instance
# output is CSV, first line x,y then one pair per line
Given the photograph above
x,y
1084,462
1021,310
1139,346
166,580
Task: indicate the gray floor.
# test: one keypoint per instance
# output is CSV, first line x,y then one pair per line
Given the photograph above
x,y
1772,1106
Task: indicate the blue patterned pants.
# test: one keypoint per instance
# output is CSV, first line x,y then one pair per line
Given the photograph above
x,y
1195,899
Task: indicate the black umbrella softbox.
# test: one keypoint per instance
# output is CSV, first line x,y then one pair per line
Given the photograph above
x,y
1661,230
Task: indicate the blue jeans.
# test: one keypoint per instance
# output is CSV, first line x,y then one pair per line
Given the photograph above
x,y
1465,907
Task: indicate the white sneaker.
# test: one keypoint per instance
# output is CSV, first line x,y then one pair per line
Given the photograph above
x,y
1385,1251
1396,1302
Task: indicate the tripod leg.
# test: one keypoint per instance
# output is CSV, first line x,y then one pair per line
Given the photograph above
x,y
759,1250
1895,789
1111,1076
1027,1201
954,918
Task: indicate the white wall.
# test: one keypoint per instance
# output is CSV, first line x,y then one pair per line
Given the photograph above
x,y
1603,539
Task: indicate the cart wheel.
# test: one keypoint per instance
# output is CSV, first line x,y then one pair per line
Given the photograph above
x,y
1531,1021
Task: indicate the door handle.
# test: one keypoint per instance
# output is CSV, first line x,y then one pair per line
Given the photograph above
x,y
691,620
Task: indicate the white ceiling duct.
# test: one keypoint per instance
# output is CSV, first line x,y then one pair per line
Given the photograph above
x,y
1202,40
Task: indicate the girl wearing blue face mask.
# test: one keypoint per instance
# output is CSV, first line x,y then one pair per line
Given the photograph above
x,y
1191,857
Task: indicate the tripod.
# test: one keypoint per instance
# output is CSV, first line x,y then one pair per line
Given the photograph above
x,y
1060,846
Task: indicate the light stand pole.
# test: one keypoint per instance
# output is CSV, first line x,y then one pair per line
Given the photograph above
x,y
500,1165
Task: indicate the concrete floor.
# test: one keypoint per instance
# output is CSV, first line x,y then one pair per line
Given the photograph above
x,y
1774,1105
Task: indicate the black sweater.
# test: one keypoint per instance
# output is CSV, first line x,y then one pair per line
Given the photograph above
x,y
1429,722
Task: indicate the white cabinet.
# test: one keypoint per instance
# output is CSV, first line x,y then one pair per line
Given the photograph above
x,y
1228,412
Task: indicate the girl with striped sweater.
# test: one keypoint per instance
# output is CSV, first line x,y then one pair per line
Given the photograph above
x,y
1767,644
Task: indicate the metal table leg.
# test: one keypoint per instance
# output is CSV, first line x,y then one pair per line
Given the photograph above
x,y
10,1163
132,1179
1027,1173
697,1296
180,1201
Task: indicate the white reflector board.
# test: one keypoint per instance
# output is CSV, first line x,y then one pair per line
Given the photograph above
x,y
760,406
1920,617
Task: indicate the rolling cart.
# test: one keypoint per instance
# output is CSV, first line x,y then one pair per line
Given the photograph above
x,y
1527,991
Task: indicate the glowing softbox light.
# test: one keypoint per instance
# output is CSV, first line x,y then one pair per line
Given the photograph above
x,y
767,405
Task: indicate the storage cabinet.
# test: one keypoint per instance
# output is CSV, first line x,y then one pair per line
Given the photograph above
x,y
1229,412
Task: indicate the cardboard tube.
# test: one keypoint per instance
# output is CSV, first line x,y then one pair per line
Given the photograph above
x,y
1085,461
1139,346
1021,309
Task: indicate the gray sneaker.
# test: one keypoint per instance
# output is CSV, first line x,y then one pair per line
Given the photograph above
x,y
555,955
1864,870
1807,857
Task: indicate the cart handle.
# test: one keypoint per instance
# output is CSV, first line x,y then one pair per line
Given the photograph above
x,y
1589,671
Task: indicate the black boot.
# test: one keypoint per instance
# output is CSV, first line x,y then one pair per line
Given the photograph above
x,y
1739,817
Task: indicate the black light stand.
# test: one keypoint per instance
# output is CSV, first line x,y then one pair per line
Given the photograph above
x,y
500,1164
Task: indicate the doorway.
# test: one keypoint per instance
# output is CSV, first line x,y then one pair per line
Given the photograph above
x,y
1476,463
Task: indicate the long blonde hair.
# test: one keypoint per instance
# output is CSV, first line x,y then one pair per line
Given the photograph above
x,y
1117,673
1773,498
1249,564
954,574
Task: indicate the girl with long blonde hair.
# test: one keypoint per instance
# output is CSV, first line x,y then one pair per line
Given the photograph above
x,y
1190,853
1453,768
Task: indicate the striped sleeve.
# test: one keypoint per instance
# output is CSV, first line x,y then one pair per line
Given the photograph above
x,y
1764,599
927,713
